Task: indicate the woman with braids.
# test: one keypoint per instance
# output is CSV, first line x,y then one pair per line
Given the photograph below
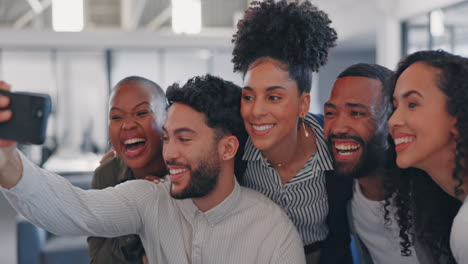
x,y
277,47
429,128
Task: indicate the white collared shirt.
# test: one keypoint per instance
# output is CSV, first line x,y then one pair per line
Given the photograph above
x,y
245,228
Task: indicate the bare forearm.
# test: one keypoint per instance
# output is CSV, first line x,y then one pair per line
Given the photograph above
x,y
11,167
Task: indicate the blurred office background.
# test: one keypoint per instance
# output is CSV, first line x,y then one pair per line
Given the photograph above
x,y
77,50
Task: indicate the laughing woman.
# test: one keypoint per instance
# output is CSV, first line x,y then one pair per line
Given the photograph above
x,y
277,47
429,126
137,110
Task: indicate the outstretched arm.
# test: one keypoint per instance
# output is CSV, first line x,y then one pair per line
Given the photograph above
x,y
10,164
51,202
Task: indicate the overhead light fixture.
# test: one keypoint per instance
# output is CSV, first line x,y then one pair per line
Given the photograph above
x,y
436,21
67,15
186,16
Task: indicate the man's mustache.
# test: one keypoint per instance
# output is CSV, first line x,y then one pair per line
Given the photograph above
x,y
174,163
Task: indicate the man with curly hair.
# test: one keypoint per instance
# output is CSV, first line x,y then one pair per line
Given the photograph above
x,y
356,129
277,46
200,215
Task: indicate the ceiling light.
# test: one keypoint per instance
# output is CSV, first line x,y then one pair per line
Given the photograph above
x,y
67,15
186,16
437,23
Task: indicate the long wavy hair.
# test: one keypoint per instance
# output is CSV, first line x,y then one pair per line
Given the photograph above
x,y
425,212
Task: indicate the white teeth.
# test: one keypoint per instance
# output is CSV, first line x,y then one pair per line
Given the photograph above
x,y
346,147
133,141
345,153
262,128
176,171
402,140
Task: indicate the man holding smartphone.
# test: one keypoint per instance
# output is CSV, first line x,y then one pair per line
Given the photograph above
x,y
201,215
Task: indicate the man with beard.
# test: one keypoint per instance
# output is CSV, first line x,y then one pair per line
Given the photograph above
x,y
356,128
201,215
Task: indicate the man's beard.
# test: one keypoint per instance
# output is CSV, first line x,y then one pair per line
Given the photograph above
x,y
203,180
372,157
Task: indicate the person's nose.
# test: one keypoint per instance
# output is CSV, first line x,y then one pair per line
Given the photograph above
x,y
341,125
396,119
129,124
170,151
259,108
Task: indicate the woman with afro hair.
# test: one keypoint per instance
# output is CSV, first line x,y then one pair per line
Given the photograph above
x,y
429,127
277,47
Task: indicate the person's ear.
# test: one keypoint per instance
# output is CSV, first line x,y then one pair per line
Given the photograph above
x,y
454,131
227,147
304,104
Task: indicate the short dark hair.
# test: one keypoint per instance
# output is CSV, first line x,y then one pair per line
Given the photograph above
x,y
376,72
158,95
217,99
368,70
297,35
159,92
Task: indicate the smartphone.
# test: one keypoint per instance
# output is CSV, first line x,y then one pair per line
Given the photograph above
x,y
29,121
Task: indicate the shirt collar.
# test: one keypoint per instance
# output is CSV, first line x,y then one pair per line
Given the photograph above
x,y
323,153
225,208
216,214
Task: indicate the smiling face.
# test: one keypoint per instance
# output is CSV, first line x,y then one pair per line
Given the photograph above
x,y
423,131
133,129
190,152
271,103
351,117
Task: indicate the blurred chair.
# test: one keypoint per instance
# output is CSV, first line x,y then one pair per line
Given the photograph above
x,y
37,246
355,251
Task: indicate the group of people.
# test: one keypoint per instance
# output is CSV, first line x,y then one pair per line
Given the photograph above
x,y
214,173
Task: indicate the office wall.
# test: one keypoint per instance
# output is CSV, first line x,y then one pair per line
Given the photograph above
x,y
79,81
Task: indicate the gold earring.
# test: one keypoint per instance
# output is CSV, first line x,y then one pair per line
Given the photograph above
x,y
303,126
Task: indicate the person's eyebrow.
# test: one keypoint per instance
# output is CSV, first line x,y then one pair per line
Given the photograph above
x,y
356,105
271,88
408,94
184,129
140,104
136,106
327,104
181,130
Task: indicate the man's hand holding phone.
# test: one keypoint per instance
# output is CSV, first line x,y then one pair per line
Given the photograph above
x,y
5,115
11,168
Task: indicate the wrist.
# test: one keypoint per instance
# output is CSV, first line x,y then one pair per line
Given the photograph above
x,y
10,166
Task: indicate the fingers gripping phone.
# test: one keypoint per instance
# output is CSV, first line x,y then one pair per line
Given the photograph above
x,y
29,121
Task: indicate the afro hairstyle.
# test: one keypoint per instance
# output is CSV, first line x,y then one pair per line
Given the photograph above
x,y
296,34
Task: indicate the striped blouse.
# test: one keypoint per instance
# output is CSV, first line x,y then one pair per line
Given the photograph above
x,y
304,197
